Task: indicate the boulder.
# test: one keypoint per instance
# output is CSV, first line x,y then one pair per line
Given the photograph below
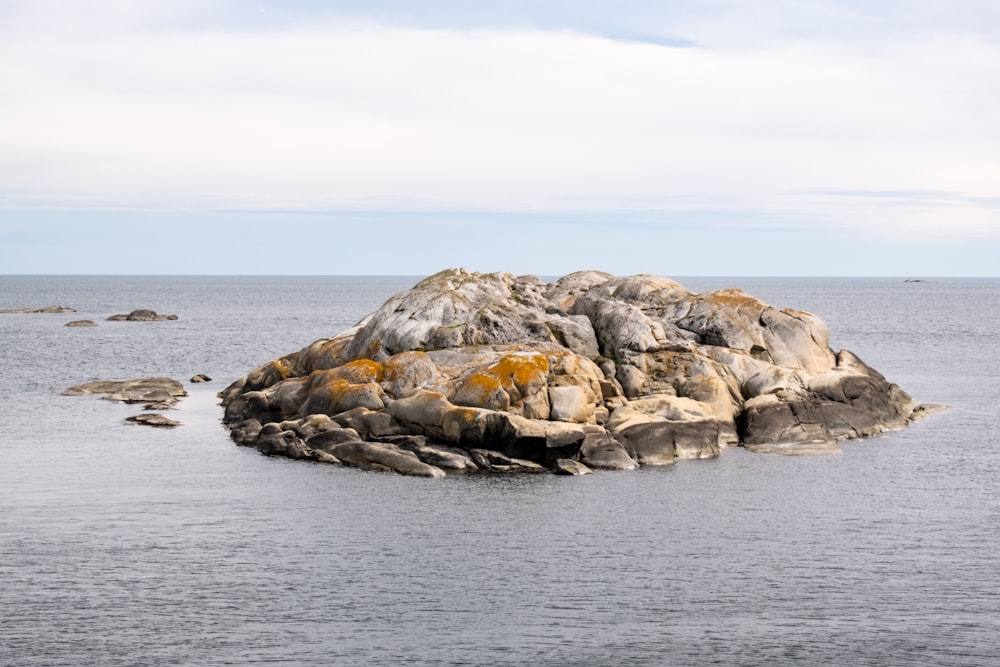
x,y
660,442
600,450
570,467
494,372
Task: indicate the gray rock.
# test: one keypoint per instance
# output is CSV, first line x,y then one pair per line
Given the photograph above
x,y
328,439
661,442
275,442
81,323
376,456
153,419
444,457
495,461
246,431
570,467
602,451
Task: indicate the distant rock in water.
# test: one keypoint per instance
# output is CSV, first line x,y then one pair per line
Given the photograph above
x,y
141,315
200,377
470,371
47,309
81,323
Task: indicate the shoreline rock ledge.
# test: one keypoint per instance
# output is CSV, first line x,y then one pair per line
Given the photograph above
x,y
491,372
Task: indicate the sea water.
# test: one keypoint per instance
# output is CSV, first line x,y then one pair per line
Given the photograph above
x,y
128,545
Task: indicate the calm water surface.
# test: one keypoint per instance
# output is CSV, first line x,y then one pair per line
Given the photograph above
x,y
125,545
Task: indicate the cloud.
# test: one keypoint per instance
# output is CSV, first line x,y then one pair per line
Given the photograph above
x,y
139,105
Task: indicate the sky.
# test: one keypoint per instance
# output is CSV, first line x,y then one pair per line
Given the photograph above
x,y
689,137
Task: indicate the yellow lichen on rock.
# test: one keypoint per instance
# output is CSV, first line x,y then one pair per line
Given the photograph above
x,y
520,369
269,374
458,422
524,376
361,370
735,299
482,390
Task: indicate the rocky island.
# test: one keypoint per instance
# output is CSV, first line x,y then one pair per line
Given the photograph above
x,y
492,372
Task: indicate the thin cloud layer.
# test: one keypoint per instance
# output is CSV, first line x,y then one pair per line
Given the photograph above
x,y
326,107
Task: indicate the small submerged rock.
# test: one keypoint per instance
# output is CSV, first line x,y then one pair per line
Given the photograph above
x,y
153,419
81,323
491,372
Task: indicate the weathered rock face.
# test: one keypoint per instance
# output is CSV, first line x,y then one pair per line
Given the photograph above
x,y
474,371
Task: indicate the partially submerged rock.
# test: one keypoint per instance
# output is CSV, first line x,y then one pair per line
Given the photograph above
x,y
570,467
471,371
153,419
161,392
141,315
81,323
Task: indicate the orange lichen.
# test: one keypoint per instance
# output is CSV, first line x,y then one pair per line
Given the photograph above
x,y
465,415
282,368
482,383
482,390
271,373
361,371
520,370
733,298
338,390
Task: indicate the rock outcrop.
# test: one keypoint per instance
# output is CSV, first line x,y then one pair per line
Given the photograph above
x,y
469,371
141,315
